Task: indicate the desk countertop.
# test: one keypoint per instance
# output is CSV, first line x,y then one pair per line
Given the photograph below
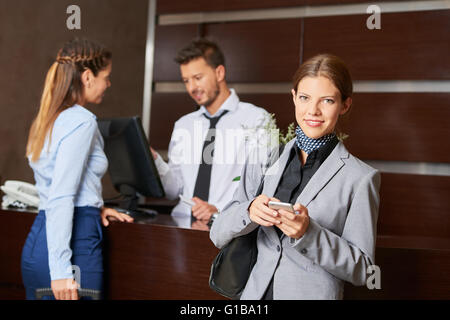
x,y
161,219
155,258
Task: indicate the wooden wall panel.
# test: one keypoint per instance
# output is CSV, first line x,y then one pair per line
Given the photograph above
x,y
249,56
399,126
181,6
14,228
414,205
258,51
148,260
408,46
167,108
32,33
407,274
158,262
280,104
381,126
168,41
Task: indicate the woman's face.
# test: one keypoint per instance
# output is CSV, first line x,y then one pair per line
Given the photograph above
x,y
95,86
318,105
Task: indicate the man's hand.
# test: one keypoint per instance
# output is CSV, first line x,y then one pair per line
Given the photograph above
x,y
202,210
200,225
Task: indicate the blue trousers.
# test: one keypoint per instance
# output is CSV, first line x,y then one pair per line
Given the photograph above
x,y
86,245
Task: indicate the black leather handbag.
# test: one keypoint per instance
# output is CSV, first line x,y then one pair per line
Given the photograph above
x,y
232,266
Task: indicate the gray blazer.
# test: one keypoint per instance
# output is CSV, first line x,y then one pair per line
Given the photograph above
x,y
339,245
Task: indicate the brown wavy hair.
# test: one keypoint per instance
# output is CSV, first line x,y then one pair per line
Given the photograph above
x,y
63,87
329,66
333,68
201,48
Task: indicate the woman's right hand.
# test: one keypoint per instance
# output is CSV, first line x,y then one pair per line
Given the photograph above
x,y
260,213
113,215
65,289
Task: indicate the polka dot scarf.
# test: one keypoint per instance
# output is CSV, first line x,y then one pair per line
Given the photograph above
x,y
308,144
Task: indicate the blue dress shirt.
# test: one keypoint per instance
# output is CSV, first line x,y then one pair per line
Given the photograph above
x,y
68,174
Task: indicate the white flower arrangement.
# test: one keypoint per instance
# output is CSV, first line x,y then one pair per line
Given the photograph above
x,y
267,135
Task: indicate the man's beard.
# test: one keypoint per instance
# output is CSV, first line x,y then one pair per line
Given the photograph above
x,y
213,98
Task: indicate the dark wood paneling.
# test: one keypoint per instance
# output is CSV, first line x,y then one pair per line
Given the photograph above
x,y
248,57
168,41
408,46
414,205
258,51
408,274
399,126
414,211
411,207
381,126
150,261
280,104
14,228
181,6
167,108
158,262
32,33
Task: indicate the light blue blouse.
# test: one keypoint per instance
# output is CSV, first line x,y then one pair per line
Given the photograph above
x,y
68,174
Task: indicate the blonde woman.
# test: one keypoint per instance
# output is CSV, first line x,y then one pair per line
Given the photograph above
x,y
65,151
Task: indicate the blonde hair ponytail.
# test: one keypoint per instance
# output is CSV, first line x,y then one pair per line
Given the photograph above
x,y
63,88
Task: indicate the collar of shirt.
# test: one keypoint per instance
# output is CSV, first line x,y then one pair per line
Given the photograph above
x,y
82,109
318,155
295,176
230,104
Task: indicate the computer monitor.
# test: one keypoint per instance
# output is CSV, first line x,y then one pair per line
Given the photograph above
x,y
131,164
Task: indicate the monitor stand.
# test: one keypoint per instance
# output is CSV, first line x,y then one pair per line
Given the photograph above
x,y
137,212
129,206
141,212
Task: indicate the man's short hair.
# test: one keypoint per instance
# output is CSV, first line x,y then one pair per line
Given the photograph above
x,y
201,48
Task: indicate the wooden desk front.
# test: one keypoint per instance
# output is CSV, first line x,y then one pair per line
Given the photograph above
x,y
156,259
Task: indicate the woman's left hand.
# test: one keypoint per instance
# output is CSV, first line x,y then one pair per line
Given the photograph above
x,y
294,225
108,214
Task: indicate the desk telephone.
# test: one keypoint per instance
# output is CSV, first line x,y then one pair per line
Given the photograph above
x,y
22,192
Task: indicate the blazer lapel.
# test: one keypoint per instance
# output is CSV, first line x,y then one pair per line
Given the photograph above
x,y
324,174
273,174
271,181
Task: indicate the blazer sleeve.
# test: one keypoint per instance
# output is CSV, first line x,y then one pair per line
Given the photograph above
x,y
348,256
234,220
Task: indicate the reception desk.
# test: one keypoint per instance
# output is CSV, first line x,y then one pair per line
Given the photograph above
x,y
159,258
156,257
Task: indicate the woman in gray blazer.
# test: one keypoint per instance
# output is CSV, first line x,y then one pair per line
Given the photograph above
x,y
330,236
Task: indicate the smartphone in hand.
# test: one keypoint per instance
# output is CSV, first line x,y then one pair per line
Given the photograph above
x,y
281,205
187,201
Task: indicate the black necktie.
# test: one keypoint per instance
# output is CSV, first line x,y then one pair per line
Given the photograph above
x,y
203,181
